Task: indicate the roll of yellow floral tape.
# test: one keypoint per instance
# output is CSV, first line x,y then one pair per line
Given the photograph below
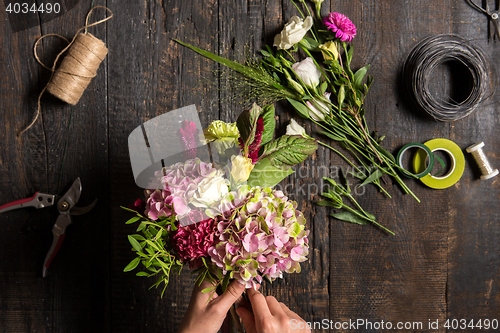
x,y
456,169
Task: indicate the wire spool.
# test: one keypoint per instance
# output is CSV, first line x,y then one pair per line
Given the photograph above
x,y
487,170
437,50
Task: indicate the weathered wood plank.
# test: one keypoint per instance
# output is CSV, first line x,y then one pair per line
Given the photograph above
x,y
376,276
474,229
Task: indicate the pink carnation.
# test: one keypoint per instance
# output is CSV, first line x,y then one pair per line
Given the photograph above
x,y
193,241
340,24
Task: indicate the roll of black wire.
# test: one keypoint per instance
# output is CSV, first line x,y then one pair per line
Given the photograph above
x,y
435,51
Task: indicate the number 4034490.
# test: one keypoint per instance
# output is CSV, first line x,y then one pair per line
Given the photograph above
x,y
25,8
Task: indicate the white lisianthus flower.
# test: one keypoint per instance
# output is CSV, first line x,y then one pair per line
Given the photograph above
x,y
317,109
293,32
210,189
241,167
295,129
308,72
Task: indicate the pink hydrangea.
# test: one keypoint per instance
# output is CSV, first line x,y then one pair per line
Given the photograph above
x,y
183,187
266,236
158,204
340,24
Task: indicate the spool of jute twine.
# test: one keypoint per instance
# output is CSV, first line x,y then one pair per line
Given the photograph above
x,y
85,53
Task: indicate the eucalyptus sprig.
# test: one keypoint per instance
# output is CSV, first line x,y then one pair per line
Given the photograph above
x,y
151,247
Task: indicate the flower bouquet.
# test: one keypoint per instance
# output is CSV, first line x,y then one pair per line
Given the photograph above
x,y
324,89
222,218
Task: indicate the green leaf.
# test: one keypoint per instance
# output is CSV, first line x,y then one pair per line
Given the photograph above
x,y
301,109
350,217
138,237
128,209
386,154
133,220
265,53
247,125
132,265
372,177
326,203
323,86
333,136
305,44
141,227
243,69
359,76
341,96
269,123
264,174
289,150
135,244
207,290
142,274
313,43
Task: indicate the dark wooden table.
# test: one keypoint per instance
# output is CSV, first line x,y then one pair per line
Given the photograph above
x,y
443,263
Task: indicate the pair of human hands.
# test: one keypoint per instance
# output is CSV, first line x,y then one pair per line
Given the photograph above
x,y
207,314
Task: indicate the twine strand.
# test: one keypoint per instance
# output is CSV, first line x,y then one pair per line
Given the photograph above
x,y
78,67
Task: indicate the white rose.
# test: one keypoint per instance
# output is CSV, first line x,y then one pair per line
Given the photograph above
x,y
318,110
293,32
241,167
295,129
308,72
210,189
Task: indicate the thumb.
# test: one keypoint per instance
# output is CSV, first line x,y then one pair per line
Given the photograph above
x,y
247,318
232,293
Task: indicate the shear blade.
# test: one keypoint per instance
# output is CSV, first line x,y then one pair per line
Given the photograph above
x,y
58,232
82,210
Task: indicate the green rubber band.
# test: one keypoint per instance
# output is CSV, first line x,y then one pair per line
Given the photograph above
x,y
443,165
408,174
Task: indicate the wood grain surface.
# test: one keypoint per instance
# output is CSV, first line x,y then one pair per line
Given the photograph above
x,y
443,263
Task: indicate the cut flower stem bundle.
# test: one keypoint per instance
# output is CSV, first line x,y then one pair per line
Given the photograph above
x,y
323,88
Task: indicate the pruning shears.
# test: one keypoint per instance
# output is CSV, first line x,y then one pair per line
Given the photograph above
x,y
66,207
493,15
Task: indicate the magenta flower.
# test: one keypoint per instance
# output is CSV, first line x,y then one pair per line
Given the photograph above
x,y
253,149
340,24
193,241
139,206
188,135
